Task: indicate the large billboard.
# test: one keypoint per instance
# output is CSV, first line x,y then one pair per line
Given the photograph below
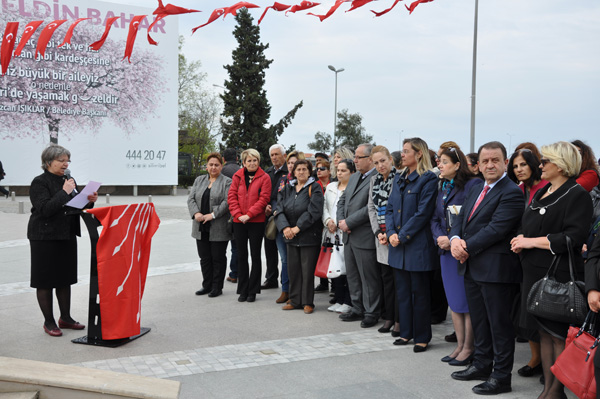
x,y
118,118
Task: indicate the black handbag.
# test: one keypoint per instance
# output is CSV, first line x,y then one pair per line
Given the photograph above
x,y
562,302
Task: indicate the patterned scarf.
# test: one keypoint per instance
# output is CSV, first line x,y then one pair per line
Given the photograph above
x,y
447,187
381,192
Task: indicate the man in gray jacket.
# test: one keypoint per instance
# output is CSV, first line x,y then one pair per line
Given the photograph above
x,y
359,242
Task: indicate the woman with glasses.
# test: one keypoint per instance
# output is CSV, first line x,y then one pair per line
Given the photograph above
x,y
456,180
52,232
412,251
323,174
558,210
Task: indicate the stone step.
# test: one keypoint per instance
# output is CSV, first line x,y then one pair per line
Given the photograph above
x,y
19,395
59,381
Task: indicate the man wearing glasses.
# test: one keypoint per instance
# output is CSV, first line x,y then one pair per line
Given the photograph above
x,y
359,243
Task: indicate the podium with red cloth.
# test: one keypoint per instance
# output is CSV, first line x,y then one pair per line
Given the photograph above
x,y
119,265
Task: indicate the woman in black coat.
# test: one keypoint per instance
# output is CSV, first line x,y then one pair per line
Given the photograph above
x,y
298,217
51,232
559,210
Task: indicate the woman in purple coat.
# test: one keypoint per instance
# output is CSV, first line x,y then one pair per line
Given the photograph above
x,y
456,179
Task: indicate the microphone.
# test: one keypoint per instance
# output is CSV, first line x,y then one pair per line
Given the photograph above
x,y
68,177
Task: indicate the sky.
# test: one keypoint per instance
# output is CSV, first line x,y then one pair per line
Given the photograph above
x,y
538,68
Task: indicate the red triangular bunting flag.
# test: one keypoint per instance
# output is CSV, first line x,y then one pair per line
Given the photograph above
x,y
46,35
8,44
213,16
123,253
414,5
358,3
69,34
133,29
379,14
276,6
150,39
233,9
30,29
337,4
304,5
98,45
170,9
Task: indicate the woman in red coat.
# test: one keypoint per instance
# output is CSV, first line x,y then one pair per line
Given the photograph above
x,y
248,197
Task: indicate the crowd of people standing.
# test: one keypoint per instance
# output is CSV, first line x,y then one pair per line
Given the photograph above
x,y
492,223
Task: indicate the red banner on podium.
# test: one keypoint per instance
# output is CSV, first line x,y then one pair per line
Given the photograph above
x,y
123,251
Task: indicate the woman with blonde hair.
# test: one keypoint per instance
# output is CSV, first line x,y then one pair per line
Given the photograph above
x,y
412,253
248,197
340,153
560,211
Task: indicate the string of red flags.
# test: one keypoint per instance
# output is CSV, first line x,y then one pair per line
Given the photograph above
x,y
8,44
276,6
8,50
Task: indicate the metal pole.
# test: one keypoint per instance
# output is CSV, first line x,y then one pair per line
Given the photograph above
x,y
335,116
474,80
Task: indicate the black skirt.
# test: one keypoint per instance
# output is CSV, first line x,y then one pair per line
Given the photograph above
x,y
53,263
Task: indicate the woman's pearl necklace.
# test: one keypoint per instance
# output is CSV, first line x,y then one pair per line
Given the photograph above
x,y
550,190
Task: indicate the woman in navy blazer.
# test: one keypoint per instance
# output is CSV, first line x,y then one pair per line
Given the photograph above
x,y
456,180
412,252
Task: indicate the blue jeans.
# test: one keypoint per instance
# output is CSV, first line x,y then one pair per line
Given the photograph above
x,y
282,248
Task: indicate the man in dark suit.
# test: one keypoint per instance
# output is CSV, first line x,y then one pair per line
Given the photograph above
x,y
359,242
272,249
480,240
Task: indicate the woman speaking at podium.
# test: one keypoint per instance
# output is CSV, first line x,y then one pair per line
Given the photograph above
x,y
51,232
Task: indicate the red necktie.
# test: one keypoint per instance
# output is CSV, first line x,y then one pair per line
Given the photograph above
x,y
481,197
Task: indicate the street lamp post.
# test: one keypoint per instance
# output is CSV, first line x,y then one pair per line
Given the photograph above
x,y
335,109
474,79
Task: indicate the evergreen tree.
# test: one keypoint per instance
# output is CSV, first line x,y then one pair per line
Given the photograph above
x,y
246,108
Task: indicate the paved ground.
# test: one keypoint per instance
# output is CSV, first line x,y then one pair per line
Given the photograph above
x,y
217,347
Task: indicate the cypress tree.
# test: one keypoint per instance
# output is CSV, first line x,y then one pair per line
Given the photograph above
x,y
246,110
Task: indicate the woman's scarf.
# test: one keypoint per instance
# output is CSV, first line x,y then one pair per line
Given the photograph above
x,y
381,192
447,187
